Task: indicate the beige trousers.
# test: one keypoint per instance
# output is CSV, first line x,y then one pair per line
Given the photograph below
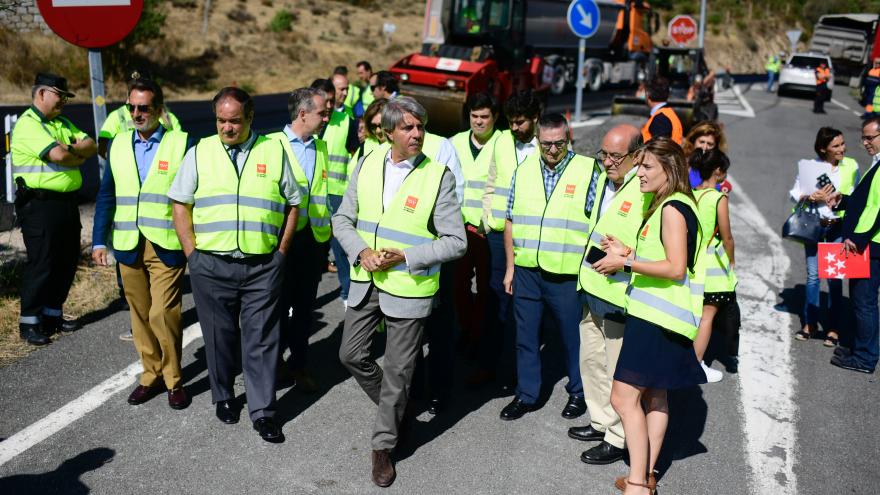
x,y
601,340
154,292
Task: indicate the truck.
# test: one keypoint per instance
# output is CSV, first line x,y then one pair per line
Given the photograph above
x,y
503,46
851,42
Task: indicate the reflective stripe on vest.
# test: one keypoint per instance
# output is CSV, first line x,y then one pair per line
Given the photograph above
x,y
145,208
505,165
315,211
716,264
36,172
675,305
677,130
551,234
475,173
336,137
402,225
622,219
238,212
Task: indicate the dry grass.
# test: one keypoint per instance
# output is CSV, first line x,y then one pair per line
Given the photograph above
x,y
239,47
93,289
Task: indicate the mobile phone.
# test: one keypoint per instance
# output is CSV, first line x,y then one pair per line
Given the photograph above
x,y
823,180
594,255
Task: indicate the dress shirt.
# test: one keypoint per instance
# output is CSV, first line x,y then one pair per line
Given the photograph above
x,y
656,108
304,151
395,173
611,190
145,151
447,156
525,150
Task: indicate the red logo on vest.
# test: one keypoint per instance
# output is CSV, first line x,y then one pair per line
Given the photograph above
x,y
569,189
163,167
644,232
411,202
624,207
261,169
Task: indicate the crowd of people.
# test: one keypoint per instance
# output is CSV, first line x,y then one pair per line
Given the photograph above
x,y
627,253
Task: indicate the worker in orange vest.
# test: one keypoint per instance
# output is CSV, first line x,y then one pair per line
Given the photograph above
x,y
823,75
869,89
663,120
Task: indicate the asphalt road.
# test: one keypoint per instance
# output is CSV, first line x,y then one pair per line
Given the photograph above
x,y
787,423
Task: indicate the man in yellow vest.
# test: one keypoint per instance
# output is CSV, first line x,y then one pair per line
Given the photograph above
x,y
235,212
772,68
133,203
663,121
399,221
308,156
364,73
343,91
47,151
861,230
512,148
545,234
618,211
340,134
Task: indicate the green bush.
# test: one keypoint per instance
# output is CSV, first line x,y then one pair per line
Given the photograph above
x,y
281,21
714,19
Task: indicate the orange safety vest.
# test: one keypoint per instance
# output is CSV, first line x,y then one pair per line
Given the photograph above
x,y
875,72
677,131
822,75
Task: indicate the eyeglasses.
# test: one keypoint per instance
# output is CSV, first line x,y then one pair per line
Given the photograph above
x,y
139,108
63,97
614,158
548,145
868,139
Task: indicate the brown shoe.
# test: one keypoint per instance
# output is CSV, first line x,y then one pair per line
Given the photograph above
x,y
178,399
383,468
141,393
620,483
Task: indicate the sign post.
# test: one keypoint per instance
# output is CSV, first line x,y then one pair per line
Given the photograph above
x,y
583,20
682,29
793,36
93,24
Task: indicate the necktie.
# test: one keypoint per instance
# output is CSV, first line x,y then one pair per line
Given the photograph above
x,y
591,192
233,153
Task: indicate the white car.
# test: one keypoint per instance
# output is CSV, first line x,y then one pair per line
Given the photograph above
x,y
798,74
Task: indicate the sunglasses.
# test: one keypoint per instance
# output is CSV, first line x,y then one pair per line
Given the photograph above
x,y
62,96
139,108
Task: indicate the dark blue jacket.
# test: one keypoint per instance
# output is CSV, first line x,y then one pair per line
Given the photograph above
x,y
105,207
854,205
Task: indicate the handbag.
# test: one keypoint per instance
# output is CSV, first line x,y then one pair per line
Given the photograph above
x,y
803,225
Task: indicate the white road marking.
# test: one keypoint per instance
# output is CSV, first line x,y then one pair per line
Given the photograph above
x,y
840,104
743,109
590,122
79,407
766,380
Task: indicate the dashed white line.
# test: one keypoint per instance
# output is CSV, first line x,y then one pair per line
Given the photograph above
x,y
766,380
840,104
79,407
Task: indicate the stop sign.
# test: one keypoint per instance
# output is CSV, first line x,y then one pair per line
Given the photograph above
x,y
682,29
91,23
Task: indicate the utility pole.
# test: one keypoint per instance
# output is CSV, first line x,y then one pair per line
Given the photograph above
x,y
702,22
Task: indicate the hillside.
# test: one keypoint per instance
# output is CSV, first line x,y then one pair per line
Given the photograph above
x,y
269,46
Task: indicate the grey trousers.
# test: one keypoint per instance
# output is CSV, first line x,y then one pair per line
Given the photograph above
x,y
388,388
238,299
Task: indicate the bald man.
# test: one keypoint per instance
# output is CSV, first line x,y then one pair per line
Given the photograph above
x,y
619,213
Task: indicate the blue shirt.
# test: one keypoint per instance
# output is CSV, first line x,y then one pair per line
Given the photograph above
x,y
144,151
304,151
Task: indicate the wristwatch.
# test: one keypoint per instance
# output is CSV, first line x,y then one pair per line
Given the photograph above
x,y
627,266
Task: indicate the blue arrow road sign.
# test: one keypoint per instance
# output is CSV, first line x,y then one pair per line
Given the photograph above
x,y
583,18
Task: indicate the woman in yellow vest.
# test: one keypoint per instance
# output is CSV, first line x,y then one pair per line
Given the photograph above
x,y
664,304
717,249
830,147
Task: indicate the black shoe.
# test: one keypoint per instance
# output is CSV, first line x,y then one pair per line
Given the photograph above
x,y
585,433
850,363
437,405
228,412
269,430
516,409
604,453
55,324
33,334
574,408
842,351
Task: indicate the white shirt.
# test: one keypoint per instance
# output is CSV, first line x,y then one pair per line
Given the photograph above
x,y
823,209
395,173
611,190
524,150
447,156
657,108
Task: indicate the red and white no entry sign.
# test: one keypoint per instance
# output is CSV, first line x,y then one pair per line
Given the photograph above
x,y
91,23
682,29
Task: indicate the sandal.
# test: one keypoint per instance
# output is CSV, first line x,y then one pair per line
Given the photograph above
x,y
620,483
802,335
831,341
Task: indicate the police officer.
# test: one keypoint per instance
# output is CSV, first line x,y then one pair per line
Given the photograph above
x,y
663,121
134,200
823,76
544,237
47,151
235,200
308,157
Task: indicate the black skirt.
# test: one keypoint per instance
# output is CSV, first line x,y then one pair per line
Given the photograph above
x,y
657,358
